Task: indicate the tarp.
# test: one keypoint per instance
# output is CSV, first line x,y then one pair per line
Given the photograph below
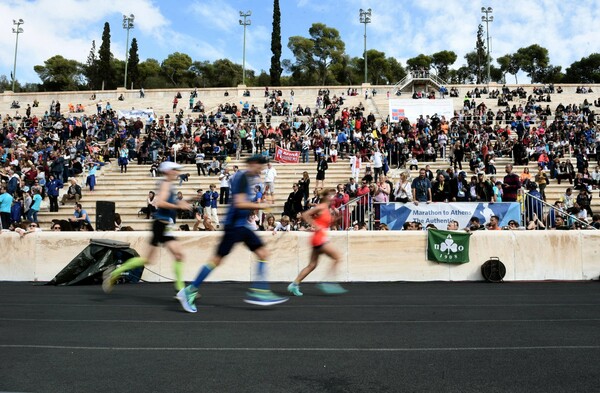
x,y
88,265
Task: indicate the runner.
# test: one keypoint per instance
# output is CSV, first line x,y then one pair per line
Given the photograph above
x,y
236,230
320,218
166,210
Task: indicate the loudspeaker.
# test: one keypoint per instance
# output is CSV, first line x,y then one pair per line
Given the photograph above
x,y
105,216
493,270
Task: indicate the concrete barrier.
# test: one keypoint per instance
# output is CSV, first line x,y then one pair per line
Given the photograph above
x,y
366,256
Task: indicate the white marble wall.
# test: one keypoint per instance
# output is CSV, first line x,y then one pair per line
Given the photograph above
x,y
366,256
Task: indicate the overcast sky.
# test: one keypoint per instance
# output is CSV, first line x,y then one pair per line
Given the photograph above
x,y
209,29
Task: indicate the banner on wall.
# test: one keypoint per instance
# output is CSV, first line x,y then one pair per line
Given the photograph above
x,y
448,246
144,114
394,215
412,109
286,156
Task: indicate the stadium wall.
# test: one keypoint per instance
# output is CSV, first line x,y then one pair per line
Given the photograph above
x,y
366,256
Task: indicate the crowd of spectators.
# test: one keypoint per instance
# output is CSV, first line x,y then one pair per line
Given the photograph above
x,y
68,144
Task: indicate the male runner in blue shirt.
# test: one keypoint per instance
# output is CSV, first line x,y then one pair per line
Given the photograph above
x,y
237,230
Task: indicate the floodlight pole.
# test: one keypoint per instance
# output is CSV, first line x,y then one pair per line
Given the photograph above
x,y
127,25
487,19
17,30
245,22
365,18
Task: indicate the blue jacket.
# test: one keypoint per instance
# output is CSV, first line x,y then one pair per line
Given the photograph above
x,y
53,186
210,199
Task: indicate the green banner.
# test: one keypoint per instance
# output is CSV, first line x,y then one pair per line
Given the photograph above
x,y
447,246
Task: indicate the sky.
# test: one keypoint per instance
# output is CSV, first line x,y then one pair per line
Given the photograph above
x,y
210,29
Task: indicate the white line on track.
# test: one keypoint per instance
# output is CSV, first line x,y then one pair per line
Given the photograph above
x,y
319,349
492,305
300,322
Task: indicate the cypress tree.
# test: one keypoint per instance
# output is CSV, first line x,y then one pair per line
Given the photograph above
x,y
275,71
132,64
106,73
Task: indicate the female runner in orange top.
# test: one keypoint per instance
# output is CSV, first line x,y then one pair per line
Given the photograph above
x,y
320,218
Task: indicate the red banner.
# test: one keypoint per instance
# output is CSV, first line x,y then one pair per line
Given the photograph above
x,y
286,156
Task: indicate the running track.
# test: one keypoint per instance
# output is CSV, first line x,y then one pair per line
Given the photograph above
x,y
386,337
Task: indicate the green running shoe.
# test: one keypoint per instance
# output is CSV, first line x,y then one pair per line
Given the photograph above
x,y
329,288
187,299
294,289
263,297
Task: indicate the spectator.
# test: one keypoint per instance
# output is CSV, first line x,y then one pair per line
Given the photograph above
x,y
283,225
304,185
224,182
493,225
511,185
200,163
52,186
484,189
32,214
80,219
440,190
293,205
421,189
6,201
459,188
73,192
402,189
211,197
215,167
452,225
150,205
321,168
542,181
270,174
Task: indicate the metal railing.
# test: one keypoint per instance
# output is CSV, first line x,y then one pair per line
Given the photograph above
x,y
547,214
356,212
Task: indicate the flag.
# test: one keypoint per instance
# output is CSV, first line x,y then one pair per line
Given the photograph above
x,y
447,246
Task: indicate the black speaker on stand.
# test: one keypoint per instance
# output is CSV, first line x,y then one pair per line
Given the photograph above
x,y
105,216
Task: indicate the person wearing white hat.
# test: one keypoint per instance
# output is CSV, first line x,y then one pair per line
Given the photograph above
x,y
164,217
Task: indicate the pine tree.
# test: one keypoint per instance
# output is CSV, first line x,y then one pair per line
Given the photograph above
x,y
132,64
91,67
106,73
481,51
276,69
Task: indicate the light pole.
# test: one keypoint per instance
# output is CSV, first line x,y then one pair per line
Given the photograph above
x,y
365,17
245,22
127,25
487,19
17,30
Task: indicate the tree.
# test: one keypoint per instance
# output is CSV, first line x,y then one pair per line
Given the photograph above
x,y
395,71
275,71
421,61
480,56
106,73
586,70
317,53
228,74
509,64
60,74
133,61
176,68
533,60
441,62
90,69
150,72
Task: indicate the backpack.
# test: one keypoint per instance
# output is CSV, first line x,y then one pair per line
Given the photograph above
x,y
203,200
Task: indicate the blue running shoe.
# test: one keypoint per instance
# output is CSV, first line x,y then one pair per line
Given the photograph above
x,y
187,299
294,289
329,288
260,297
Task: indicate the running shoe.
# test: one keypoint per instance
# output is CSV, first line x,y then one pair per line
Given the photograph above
x,y
187,299
263,297
294,289
108,282
329,288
